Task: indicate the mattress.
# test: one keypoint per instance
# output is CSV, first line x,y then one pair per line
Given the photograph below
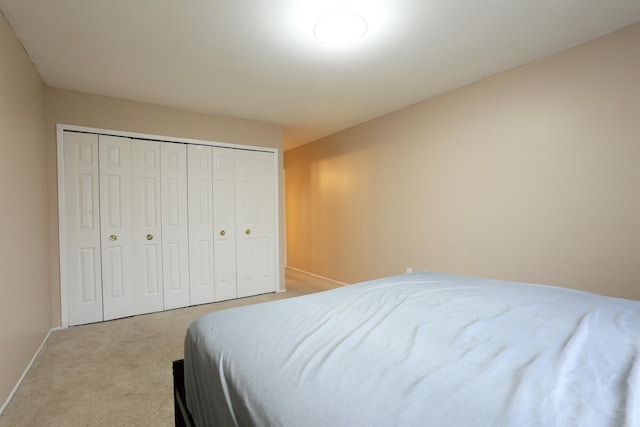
x,y
425,348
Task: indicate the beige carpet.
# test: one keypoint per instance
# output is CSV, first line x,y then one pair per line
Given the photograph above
x,y
116,373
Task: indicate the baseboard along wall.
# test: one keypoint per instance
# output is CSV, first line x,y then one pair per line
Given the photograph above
x,y
311,279
26,371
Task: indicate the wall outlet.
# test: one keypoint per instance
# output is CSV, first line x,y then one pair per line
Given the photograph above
x,y
409,270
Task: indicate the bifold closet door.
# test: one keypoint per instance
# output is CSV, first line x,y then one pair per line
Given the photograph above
x,y
147,235
255,222
224,223
116,227
82,269
152,225
200,188
212,224
159,202
175,231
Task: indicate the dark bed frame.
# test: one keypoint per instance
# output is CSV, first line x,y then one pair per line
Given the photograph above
x,y
183,417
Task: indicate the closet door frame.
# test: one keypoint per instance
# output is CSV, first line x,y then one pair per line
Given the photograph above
x,y
61,128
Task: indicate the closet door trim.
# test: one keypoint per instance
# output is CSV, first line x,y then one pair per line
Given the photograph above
x,y
61,128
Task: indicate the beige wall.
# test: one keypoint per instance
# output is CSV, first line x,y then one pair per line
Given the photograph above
x,y
25,310
533,175
81,109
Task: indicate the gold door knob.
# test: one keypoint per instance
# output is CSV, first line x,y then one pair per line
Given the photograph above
x,y
149,236
113,237
247,231
222,233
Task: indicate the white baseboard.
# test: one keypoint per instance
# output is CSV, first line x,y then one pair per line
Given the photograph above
x,y
26,371
311,279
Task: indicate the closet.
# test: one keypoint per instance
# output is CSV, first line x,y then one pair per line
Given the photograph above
x,y
149,225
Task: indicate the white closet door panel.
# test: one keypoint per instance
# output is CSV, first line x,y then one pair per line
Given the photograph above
x,y
147,236
116,226
255,192
224,212
200,184
83,270
175,236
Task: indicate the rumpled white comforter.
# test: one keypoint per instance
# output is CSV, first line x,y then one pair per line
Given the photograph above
x,y
423,349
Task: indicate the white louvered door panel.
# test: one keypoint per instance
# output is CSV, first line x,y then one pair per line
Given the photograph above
x,y
116,227
147,236
255,208
224,227
82,269
175,236
200,184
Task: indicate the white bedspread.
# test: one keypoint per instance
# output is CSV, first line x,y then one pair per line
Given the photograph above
x,y
423,349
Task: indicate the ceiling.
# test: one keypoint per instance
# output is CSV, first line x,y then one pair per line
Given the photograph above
x,y
258,59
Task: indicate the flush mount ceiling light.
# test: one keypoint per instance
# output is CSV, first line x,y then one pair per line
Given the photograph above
x,y
340,28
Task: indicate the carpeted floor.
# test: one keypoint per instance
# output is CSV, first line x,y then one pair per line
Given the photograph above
x,y
116,373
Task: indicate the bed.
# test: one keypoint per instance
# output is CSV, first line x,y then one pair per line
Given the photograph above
x,y
425,348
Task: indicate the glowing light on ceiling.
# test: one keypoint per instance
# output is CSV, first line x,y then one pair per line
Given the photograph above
x,y
340,29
